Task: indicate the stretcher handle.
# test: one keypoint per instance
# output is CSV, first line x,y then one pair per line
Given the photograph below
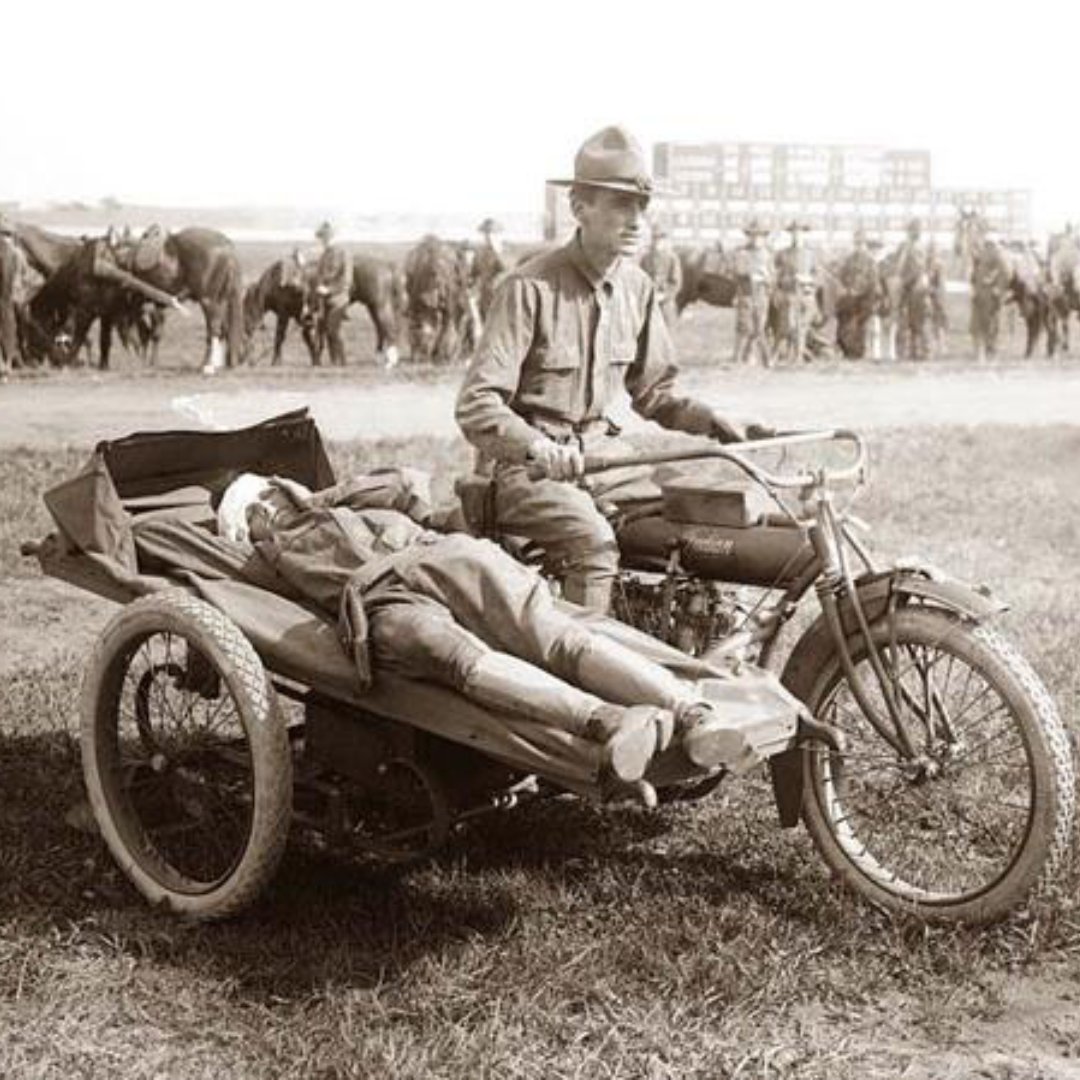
x,y
733,452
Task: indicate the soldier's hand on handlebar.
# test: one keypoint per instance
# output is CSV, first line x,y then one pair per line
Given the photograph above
x,y
726,430
555,461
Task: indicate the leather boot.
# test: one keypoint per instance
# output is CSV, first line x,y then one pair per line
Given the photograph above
x,y
629,737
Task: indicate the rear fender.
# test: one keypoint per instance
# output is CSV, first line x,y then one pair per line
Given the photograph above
x,y
909,583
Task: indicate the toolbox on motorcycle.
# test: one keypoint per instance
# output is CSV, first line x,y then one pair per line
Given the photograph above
x,y
697,499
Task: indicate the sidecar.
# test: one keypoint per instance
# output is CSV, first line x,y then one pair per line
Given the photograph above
x,y
218,711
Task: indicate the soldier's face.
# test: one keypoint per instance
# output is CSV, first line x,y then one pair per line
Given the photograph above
x,y
613,222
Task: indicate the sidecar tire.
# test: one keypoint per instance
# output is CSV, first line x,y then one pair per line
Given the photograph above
x,y
860,859
196,817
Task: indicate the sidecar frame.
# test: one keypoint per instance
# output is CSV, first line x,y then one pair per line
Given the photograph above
x,y
131,525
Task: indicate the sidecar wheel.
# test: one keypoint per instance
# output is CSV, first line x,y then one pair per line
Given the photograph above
x,y
185,756
980,819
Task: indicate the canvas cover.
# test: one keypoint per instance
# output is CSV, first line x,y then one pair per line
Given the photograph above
x,y
138,519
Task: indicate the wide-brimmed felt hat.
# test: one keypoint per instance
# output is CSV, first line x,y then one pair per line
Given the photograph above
x,y
754,228
325,231
613,159
489,225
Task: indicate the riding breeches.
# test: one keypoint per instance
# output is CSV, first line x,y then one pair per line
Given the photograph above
x,y
438,615
569,521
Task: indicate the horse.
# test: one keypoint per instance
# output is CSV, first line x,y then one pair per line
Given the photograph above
x,y
283,289
707,276
45,251
438,300
380,286
89,286
1029,289
1064,282
200,265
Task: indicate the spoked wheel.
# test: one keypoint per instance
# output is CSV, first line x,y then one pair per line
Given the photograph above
x,y
185,755
975,813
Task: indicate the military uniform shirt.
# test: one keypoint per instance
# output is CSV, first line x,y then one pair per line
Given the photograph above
x,y
561,345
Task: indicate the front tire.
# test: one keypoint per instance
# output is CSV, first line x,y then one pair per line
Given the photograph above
x,y
974,821
185,756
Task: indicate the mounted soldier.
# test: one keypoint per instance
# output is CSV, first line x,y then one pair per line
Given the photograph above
x,y
754,277
570,333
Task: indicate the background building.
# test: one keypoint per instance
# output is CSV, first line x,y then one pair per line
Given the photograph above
x,y
713,189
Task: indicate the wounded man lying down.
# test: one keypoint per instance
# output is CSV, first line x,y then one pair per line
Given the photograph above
x,y
460,611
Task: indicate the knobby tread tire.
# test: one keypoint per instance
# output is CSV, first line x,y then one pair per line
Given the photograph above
x,y
244,677
815,670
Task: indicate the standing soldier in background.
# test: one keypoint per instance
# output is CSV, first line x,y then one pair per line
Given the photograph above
x,y
939,313
754,277
991,276
858,299
913,310
333,283
488,265
662,264
796,294
14,275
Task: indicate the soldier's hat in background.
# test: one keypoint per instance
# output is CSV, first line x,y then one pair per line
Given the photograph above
x,y
325,231
7,226
797,225
489,225
658,230
875,242
612,158
914,226
754,228
859,235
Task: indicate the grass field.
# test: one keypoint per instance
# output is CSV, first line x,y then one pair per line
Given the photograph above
x,y
557,941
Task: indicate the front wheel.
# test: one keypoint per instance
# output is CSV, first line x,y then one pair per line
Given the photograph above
x,y
974,815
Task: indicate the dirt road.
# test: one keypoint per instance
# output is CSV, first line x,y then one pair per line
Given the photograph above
x,y
80,410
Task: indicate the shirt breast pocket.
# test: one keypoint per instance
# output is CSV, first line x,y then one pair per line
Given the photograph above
x,y
556,378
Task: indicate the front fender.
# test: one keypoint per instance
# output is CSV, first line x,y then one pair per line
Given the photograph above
x,y
905,584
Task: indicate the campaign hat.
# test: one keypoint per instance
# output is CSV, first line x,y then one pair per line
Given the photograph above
x,y
611,158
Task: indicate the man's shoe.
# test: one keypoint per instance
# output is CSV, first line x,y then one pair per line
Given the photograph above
x,y
630,737
708,741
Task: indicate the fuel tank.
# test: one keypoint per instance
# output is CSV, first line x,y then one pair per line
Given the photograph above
x,y
769,554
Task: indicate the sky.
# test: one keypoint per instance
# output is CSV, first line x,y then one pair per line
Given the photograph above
x,y
470,106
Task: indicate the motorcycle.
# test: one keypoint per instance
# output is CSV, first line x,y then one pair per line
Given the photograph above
x,y
940,779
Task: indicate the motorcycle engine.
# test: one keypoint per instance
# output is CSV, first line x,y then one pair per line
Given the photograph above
x,y
682,610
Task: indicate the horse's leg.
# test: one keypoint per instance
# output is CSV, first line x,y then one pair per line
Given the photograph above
x,y
216,352
105,329
386,350
281,327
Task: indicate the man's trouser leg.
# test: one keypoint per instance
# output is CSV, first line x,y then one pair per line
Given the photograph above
x,y
335,320
415,635
578,541
510,608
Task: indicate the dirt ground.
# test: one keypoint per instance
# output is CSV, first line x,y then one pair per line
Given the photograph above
x,y
78,409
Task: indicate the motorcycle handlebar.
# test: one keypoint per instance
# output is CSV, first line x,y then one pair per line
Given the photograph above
x,y
734,452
